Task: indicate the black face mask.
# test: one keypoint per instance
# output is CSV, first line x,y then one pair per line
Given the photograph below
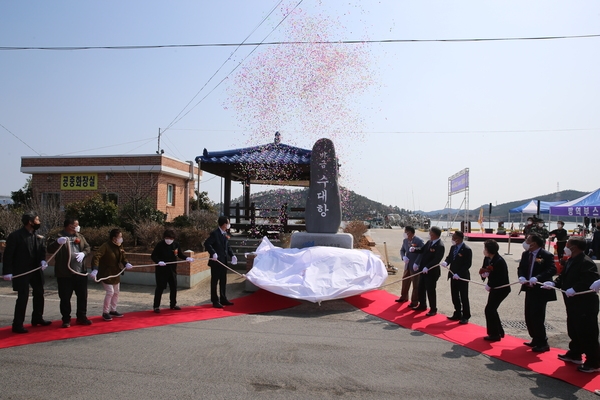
x,y
36,226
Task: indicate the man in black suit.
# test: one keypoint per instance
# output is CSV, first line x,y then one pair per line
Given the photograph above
x,y
459,259
218,247
25,251
536,265
431,255
582,310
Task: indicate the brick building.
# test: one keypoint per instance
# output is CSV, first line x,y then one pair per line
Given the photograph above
x,y
166,181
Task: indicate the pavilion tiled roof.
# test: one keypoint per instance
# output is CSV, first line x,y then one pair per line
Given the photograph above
x,y
272,153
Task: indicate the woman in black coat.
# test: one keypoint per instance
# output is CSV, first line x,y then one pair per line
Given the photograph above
x,y
495,270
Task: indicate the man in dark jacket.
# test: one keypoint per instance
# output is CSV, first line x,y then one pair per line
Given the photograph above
x,y
218,247
460,259
428,264
70,271
165,255
582,310
536,265
25,258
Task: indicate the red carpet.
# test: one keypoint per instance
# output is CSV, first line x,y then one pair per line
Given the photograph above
x,y
510,349
258,302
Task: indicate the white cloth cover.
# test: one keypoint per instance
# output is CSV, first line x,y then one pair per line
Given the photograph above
x,y
316,273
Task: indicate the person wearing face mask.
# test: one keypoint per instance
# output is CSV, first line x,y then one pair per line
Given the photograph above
x,y
165,254
495,270
25,251
217,245
596,242
561,236
410,259
539,229
579,274
528,226
459,259
432,254
70,271
536,265
107,262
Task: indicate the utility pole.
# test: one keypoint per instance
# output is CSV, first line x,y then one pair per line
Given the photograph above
x,y
159,151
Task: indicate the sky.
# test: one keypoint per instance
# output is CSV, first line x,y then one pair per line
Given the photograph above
x,y
404,116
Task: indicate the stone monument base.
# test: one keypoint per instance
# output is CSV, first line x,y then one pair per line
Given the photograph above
x,y
301,240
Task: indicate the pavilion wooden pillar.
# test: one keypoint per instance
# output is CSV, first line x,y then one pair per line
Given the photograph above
x,y
227,195
246,198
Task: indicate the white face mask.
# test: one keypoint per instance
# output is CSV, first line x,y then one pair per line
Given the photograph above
x,y
568,252
540,225
454,243
526,246
560,226
405,235
119,241
77,228
169,241
529,222
228,227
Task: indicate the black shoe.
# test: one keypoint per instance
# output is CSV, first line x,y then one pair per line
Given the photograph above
x,y
585,368
41,322
217,305
400,300
66,325
83,321
419,308
540,349
157,310
567,358
106,317
116,314
454,318
492,338
19,329
529,344
431,313
175,308
413,305
226,303
464,321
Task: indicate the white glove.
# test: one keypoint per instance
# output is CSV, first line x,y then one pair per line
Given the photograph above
x,y
548,285
455,276
595,286
411,249
44,264
234,260
522,280
415,267
61,240
425,270
79,256
93,273
485,274
215,256
444,264
189,259
161,263
406,260
570,292
488,288
532,280
128,266
8,277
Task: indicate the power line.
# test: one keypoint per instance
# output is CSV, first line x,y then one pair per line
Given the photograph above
x,y
20,140
166,46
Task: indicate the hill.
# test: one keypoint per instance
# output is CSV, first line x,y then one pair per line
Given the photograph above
x,y
358,207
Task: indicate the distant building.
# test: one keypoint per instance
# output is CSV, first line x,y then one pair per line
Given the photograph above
x,y
166,181
5,200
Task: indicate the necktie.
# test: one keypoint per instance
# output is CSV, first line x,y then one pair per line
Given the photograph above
x,y
455,251
530,264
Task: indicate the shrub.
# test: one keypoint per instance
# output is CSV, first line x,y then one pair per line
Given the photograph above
x,y
149,233
98,236
192,239
93,212
204,220
10,220
357,229
182,221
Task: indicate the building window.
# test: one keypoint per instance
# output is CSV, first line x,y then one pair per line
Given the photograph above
x,y
51,200
170,195
112,197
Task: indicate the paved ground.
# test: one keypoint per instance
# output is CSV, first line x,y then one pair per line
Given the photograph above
x,y
310,351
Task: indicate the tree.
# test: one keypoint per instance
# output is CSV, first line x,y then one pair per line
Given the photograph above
x,y
202,202
94,212
24,196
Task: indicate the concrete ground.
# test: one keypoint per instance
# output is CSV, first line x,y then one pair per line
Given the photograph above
x,y
331,351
